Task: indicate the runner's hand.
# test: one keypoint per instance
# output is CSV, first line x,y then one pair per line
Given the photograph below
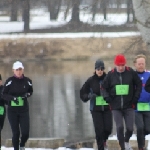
x,y
26,95
92,96
16,100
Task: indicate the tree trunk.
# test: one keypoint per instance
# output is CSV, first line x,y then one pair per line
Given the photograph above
x,y
142,13
26,15
75,11
118,4
67,9
94,8
130,11
14,5
58,7
104,7
54,7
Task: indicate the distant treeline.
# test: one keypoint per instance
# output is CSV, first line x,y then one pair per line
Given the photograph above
x,y
17,8
5,4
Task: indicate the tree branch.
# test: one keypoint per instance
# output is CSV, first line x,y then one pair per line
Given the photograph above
x,y
146,24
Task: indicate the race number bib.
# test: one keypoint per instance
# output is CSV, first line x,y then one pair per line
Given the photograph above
x,y
122,89
143,106
20,100
100,101
1,110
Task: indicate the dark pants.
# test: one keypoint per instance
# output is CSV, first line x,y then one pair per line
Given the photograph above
x,y
142,122
128,116
103,126
19,122
2,118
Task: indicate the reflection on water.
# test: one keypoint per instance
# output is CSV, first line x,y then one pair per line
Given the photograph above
x,y
55,107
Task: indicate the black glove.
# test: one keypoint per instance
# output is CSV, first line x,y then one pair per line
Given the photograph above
x,y
108,99
26,95
16,100
92,96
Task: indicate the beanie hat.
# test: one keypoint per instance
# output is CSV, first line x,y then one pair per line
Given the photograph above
x,y
120,60
99,64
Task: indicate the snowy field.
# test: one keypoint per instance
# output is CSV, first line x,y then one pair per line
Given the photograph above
x,y
69,35
37,22
61,148
40,19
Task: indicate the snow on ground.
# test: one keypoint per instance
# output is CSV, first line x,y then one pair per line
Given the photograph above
x,y
63,148
41,19
60,148
70,35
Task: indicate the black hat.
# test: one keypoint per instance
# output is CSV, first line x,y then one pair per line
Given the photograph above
x,y
0,77
99,64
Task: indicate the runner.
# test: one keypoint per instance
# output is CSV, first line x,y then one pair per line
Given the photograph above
x,y
142,113
2,109
121,89
100,110
16,91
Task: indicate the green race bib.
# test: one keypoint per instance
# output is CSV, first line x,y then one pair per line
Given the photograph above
x,y
21,102
1,110
122,89
100,101
143,106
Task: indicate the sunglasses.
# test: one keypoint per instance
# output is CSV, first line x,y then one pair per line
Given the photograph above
x,y
100,68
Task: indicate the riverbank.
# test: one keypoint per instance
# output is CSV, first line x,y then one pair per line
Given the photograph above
x,y
38,49
56,143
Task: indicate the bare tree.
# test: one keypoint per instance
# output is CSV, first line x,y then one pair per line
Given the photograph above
x,y
136,45
118,4
142,13
75,11
94,9
26,15
130,11
14,8
104,8
67,8
54,7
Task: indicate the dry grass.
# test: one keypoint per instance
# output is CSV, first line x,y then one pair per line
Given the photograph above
x,y
38,50
62,49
